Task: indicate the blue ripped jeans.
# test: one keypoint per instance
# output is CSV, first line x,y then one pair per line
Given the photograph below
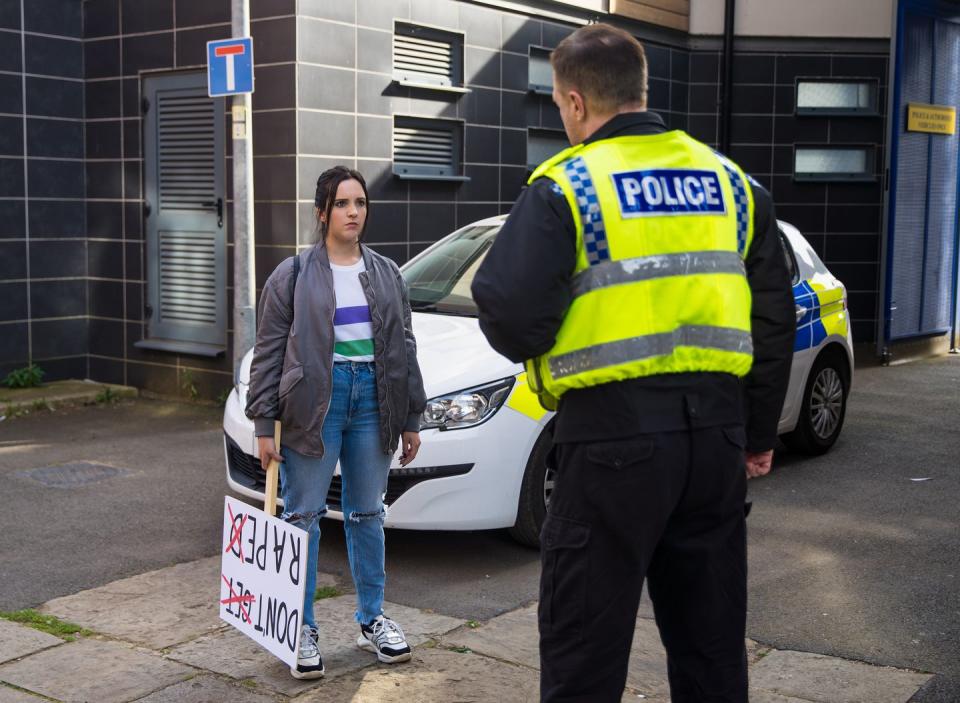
x,y
351,433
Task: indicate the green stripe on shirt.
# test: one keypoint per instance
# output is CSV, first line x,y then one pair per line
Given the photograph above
x,y
357,347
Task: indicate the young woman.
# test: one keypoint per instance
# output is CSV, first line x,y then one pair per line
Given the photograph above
x,y
336,362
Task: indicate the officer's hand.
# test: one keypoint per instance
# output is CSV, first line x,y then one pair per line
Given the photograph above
x,y
759,463
267,451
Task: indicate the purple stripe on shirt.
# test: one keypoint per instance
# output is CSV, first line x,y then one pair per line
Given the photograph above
x,y
351,316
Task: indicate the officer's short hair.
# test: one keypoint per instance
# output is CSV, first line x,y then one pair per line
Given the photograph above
x,y
603,63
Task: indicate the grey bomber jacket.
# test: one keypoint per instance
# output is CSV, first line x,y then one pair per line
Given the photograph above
x,y
292,371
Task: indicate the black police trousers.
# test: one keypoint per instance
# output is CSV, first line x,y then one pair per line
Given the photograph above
x,y
667,506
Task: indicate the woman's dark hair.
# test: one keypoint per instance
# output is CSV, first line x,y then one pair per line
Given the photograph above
x,y
327,185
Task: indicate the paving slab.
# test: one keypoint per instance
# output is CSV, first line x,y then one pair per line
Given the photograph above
x,y
18,640
435,674
157,609
815,677
208,689
12,695
760,696
94,670
513,637
235,655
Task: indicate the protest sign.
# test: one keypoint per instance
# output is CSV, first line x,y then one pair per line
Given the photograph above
x,y
263,576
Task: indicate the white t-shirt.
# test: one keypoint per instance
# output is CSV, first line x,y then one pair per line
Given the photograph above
x,y
352,331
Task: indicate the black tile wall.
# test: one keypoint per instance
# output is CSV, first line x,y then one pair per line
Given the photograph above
x,y
101,58
11,53
101,18
13,346
11,136
191,44
13,301
106,298
139,16
192,13
11,94
841,220
13,261
54,57
54,138
56,218
59,17
12,219
150,51
57,259
272,8
53,97
11,178
325,95
10,14
102,98
58,298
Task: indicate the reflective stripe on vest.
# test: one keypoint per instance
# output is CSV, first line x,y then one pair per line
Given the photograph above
x,y
643,268
627,350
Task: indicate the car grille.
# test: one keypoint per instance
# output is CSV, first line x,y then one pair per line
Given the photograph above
x,y
246,470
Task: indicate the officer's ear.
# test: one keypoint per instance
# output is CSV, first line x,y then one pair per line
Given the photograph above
x,y
578,103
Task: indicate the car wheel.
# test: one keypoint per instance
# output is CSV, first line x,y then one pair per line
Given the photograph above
x,y
534,494
823,408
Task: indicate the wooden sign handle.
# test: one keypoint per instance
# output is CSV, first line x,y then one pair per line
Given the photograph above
x,y
273,476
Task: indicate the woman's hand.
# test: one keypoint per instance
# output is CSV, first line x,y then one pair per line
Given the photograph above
x,y
410,445
267,451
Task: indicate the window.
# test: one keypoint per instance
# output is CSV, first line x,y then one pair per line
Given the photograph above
x,y
428,57
427,149
539,73
788,255
544,143
837,97
834,163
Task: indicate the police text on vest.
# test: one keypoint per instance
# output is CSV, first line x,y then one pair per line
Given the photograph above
x,y
669,192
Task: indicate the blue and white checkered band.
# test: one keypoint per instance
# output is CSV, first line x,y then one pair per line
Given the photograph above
x,y
594,233
741,203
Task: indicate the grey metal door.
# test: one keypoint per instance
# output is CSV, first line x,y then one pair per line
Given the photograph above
x,y
186,234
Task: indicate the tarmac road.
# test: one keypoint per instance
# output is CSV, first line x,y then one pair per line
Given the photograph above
x,y
57,541
849,557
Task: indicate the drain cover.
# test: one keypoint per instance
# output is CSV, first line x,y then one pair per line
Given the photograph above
x,y
72,475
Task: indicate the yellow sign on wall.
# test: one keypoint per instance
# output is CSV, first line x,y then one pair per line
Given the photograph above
x,y
935,119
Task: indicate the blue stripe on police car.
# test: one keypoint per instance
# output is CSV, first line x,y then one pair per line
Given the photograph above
x,y
669,192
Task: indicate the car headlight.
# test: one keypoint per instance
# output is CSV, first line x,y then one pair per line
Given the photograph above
x,y
465,408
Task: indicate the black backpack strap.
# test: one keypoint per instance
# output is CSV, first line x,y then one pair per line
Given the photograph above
x,y
293,281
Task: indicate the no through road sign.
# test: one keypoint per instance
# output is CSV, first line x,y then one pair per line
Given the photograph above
x,y
229,67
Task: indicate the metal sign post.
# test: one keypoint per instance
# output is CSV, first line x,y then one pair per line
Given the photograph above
x,y
230,72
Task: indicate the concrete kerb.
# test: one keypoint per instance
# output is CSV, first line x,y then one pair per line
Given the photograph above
x,y
49,396
159,638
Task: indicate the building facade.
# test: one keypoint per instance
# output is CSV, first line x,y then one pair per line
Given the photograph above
x,y
116,194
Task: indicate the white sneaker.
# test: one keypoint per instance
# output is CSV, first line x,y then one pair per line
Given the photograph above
x,y
309,664
384,637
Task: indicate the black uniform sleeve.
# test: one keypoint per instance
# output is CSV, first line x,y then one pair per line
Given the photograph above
x,y
522,289
773,323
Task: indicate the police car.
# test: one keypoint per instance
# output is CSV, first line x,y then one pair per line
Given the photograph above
x,y
485,437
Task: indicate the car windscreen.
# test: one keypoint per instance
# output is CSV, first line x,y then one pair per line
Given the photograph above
x,y
439,279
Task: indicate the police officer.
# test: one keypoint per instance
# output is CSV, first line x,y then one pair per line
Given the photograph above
x,y
641,277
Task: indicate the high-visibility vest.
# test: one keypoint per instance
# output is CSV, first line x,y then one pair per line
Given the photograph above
x,y
663,227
